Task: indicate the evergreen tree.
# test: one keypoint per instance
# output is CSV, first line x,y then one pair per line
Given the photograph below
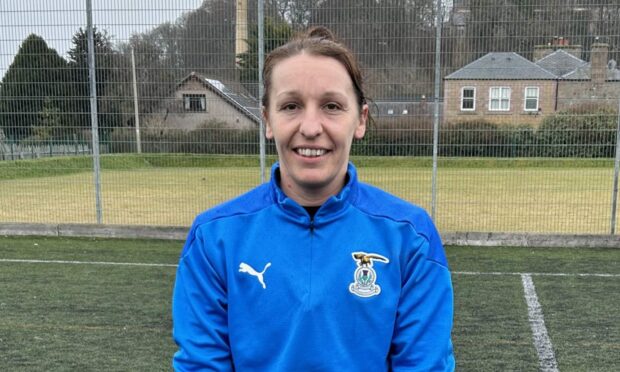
x,y
36,74
107,61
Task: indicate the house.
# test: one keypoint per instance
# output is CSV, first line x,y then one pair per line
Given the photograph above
x,y
199,100
508,88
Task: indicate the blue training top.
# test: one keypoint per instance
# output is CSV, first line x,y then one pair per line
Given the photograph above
x,y
363,286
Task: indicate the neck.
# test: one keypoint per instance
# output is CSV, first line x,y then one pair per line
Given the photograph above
x,y
310,196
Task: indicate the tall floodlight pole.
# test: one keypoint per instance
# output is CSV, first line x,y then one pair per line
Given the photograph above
x,y
261,60
614,195
135,102
438,23
93,109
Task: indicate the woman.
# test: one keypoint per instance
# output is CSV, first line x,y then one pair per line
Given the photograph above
x,y
313,271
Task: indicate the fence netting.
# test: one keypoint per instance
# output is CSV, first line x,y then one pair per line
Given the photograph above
x,y
527,110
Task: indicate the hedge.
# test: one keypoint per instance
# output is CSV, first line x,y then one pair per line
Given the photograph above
x,y
584,131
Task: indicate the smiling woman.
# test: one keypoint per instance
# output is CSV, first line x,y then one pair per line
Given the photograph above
x,y
313,119
313,270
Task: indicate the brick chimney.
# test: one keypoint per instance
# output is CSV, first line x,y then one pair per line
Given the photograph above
x,y
558,43
598,60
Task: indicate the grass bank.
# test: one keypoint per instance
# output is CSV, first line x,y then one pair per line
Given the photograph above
x,y
58,166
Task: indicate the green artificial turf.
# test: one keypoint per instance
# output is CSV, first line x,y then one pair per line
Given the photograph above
x,y
77,316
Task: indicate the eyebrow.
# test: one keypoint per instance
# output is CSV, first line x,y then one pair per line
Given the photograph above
x,y
296,94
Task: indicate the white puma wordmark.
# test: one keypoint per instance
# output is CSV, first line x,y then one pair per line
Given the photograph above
x,y
245,268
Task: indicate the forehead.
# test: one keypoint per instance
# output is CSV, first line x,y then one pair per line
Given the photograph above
x,y
305,73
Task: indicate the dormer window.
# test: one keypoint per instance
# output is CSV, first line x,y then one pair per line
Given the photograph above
x,y
195,102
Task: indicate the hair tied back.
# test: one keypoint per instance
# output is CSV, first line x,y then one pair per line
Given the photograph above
x,y
321,33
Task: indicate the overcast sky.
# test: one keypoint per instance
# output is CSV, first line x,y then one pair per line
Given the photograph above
x,y
57,20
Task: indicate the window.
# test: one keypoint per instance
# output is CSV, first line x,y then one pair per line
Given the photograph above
x,y
195,102
390,111
499,99
531,99
468,99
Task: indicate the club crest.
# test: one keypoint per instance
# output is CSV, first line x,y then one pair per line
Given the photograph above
x,y
365,276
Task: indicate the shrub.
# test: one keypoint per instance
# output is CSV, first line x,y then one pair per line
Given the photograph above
x,y
587,131
212,137
397,136
485,139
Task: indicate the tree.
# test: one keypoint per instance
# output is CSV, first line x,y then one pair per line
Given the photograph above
x,y
159,65
35,79
107,62
296,12
393,39
276,33
207,41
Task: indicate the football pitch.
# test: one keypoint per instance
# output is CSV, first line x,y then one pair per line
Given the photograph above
x,y
96,304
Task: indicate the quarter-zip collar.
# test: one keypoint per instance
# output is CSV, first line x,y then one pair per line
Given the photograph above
x,y
333,207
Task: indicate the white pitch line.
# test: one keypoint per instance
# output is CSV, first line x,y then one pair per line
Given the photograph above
x,y
477,273
499,273
88,262
542,343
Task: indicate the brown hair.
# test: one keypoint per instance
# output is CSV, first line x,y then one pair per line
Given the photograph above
x,y
317,41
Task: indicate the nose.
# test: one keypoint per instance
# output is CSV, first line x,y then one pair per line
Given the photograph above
x,y
311,125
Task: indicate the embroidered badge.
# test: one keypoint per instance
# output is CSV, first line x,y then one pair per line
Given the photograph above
x,y
365,276
245,268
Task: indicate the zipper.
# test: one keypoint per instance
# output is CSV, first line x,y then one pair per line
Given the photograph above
x,y
308,304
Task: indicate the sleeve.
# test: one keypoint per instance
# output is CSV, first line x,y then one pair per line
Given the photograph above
x,y
199,308
422,335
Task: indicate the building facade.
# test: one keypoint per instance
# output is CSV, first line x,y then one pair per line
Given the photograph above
x,y
506,88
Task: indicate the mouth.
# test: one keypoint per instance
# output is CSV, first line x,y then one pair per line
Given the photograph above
x,y
309,152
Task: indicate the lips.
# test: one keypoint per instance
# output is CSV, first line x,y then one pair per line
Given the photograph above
x,y
310,153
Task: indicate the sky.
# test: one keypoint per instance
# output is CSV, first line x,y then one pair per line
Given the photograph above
x,y
57,20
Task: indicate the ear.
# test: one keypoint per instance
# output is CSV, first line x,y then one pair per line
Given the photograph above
x,y
268,131
360,130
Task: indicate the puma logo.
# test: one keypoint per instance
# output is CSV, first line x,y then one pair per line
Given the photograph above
x,y
245,268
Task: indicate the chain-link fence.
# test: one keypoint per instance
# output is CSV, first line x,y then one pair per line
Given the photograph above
x,y
496,116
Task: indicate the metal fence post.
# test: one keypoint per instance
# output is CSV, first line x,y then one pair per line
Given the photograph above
x,y
135,102
438,21
93,109
261,60
614,195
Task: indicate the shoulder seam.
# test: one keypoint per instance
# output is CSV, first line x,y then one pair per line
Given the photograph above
x,y
235,214
432,260
405,221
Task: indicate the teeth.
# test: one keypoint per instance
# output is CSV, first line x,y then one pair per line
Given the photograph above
x,y
311,152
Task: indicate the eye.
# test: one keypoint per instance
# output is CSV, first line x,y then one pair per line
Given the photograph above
x,y
332,106
289,106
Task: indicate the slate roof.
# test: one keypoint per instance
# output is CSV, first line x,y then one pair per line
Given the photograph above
x,y
584,72
560,63
511,66
247,104
501,66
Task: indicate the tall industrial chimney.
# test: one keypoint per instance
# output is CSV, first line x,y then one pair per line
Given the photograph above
x,y
241,29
